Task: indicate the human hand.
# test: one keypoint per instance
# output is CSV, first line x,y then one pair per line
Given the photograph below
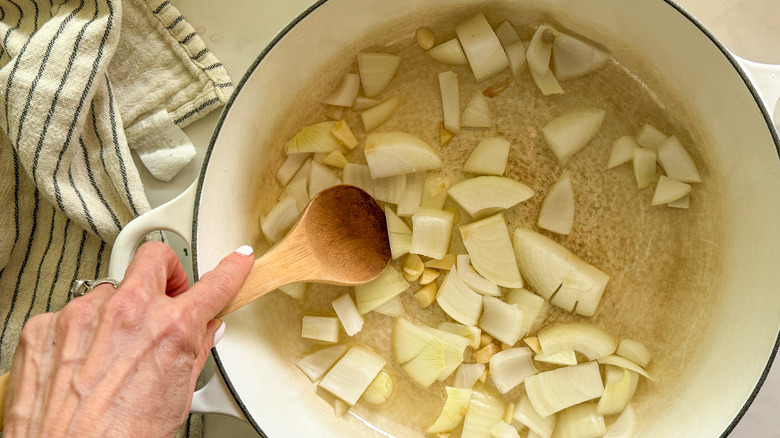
x,y
121,362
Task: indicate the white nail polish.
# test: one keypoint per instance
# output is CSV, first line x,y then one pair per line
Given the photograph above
x,y
219,333
245,250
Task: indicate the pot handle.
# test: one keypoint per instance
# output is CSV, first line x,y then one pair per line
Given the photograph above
x,y
766,79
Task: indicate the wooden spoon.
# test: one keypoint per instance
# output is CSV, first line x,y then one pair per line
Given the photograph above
x,y
340,238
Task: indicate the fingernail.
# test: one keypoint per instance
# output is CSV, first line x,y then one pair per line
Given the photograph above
x,y
245,250
219,333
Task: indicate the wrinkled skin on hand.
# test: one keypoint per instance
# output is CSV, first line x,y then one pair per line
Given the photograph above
x,y
121,362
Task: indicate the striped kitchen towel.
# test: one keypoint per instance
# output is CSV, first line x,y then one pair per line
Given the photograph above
x,y
74,74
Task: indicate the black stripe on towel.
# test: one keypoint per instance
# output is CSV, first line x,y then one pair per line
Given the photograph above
x,y
117,149
59,264
173,24
95,187
200,108
161,7
40,266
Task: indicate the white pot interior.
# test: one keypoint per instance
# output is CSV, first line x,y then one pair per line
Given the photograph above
x,y
699,287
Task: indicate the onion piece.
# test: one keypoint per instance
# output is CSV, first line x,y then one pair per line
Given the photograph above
x,y
345,93
669,190
434,191
533,343
380,389
348,314
297,290
426,295
425,38
358,175
501,320
410,199
557,211
683,202
477,113
364,103
546,82
568,133
315,365
458,300
509,368
450,100
483,413
624,363
484,195
625,426
334,112
425,368
617,391
445,263
396,153
644,167
388,189
377,115
504,430
580,421
449,53
582,337
574,58
557,274
413,267
298,189
564,357
453,411
482,47
622,151
279,220
393,307
373,294
650,137
290,167
489,157
408,340
344,135
553,391
677,162
321,177
468,374
634,351
526,415
431,232
428,276
320,328
540,49
313,138
376,71
335,159
475,281
453,354
352,374
471,333
490,250
513,47
533,306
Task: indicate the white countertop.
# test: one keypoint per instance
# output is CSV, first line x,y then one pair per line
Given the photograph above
x,y
237,30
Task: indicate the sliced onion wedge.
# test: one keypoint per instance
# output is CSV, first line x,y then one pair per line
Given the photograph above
x,y
557,274
431,232
484,195
399,234
483,413
377,115
567,134
473,334
514,48
650,137
450,100
449,53
489,157
508,368
540,49
634,351
644,167
617,390
557,211
533,306
290,167
526,415
546,82
380,389
315,365
434,192
279,219
348,314
566,357
320,328
625,426
553,391
345,93
477,113
622,362
474,280
581,421
352,374
677,162
574,58
588,339
410,199
502,321
313,138
622,151
490,250
376,71
482,47
502,429
395,153
408,340
669,190
453,411
298,290
458,300
376,292
468,374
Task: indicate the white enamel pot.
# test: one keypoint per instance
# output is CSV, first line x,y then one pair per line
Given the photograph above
x,y
707,300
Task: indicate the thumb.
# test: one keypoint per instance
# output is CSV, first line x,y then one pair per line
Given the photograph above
x,y
216,288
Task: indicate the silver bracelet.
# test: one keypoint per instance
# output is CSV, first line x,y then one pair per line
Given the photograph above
x,y
79,288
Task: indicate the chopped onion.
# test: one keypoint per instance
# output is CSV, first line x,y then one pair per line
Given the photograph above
x,y
434,191
445,263
540,49
315,365
490,250
526,414
580,421
458,300
634,351
474,280
408,340
484,195
340,407
574,58
483,413
504,430
552,391
352,374
290,167
546,82
482,47
376,292
513,47
644,167
344,135
298,189
617,391
396,153
501,320
426,295
582,337
313,138
393,307
413,267
453,411
376,71
334,112
425,368
320,178
468,374
428,276
650,137
454,353
380,389
450,100
567,134
281,217
358,175
431,232
477,113
335,159
625,426
345,93
533,306
669,190
506,34
683,202
297,290
471,333
564,357
489,157
622,151
676,161
348,314
511,367
320,328
377,115
425,38
449,53
624,363
557,211
557,274
364,103
533,343
410,199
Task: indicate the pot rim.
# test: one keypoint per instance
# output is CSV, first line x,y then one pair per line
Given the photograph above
x,y
282,33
